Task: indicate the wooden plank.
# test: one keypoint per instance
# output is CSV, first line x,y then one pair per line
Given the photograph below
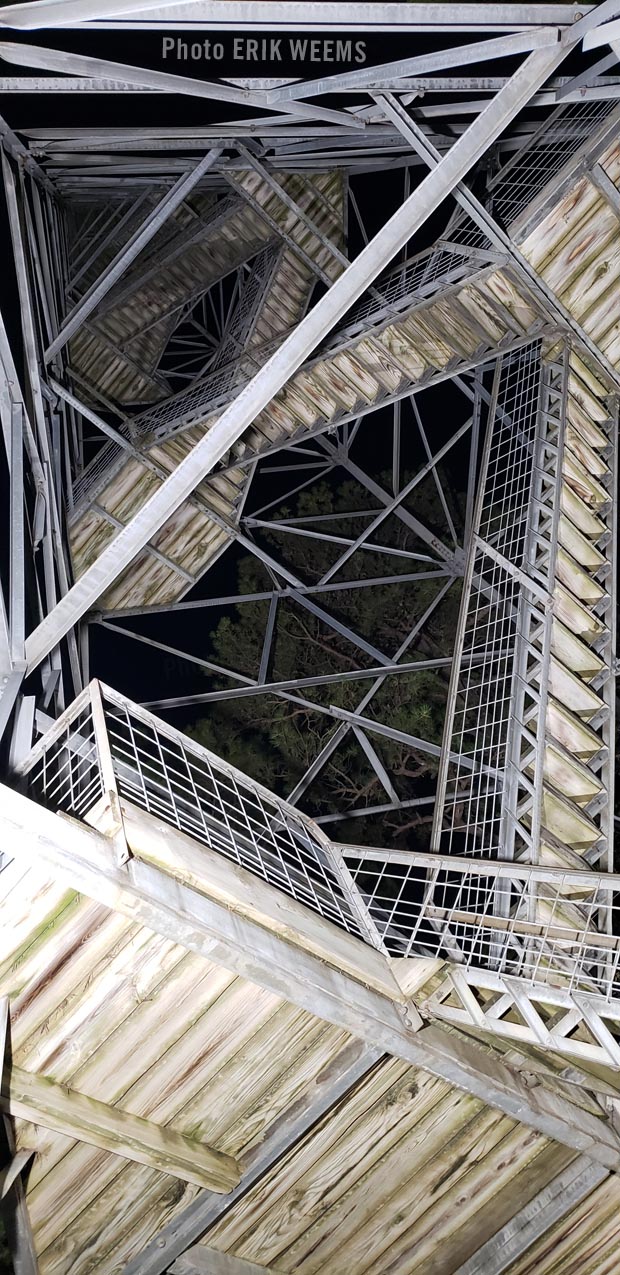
x,y
345,1072
396,1221
144,893
44,1102
512,1194
470,1188
551,1204
14,1208
201,1260
129,1067
313,1206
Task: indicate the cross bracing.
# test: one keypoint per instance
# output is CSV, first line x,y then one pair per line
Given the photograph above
x,y
213,320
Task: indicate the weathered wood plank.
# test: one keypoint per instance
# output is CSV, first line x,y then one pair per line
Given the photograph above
x,y
414,1217
201,1260
73,1114
346,1070
195,1047
363,1143
118,1191
316,1219
203,869
512,1193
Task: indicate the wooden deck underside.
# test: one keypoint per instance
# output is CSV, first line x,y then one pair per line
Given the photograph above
x,y
405,1175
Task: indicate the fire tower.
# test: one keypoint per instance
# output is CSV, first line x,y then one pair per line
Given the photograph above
x,y
236,1039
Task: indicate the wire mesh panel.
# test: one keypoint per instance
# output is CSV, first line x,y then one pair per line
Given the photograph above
x,y
498,611
169,775
434,905
66,771
539,161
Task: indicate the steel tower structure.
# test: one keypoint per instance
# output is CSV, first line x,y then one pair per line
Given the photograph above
x,y
198,307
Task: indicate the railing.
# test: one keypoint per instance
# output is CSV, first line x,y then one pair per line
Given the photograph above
x,y
478,915
542,157
541,925
104,743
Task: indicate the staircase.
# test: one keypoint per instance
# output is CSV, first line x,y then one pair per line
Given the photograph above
x,y
118,351
445,312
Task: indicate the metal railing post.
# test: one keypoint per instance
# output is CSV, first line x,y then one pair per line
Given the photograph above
x,y
114,827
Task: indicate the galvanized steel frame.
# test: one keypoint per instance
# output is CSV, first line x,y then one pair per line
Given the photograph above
x,y
42,261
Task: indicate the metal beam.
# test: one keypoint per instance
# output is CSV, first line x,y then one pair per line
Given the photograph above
x,y
14,1208
66,12
140,238
294,15
604,184
393,504
265,595
404,515
560,1197
59,60
424,64
377,764
498,237
294,350
294,684
586,77
341,731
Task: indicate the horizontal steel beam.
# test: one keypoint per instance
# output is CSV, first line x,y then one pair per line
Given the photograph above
x,y
295,15
423,64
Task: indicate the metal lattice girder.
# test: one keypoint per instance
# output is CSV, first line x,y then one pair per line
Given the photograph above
x,y
557,146
372,361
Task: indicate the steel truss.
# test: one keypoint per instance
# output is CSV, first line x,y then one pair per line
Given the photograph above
x,y
293,327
